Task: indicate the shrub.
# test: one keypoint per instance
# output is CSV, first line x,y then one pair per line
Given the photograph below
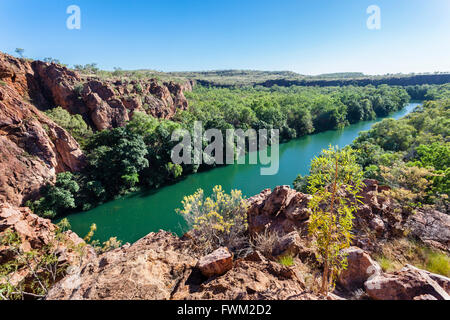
x,y
218,220
286,260
43,269
264,242
334,181
438,262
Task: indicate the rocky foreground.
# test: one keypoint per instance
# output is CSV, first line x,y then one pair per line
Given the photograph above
x,y
163,266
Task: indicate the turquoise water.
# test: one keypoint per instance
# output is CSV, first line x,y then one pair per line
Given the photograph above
x,y
132,217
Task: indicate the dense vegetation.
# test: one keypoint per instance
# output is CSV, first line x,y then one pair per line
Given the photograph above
x,y
138,155
296,111
411,154
74,124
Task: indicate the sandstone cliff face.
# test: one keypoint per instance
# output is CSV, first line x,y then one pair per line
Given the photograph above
x,y
107,104
33,148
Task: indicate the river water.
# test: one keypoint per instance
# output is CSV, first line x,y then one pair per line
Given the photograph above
x,y
133,216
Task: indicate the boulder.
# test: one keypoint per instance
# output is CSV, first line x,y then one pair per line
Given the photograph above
x,y
360,268
282,210
289,244
406,284
216,263
430,226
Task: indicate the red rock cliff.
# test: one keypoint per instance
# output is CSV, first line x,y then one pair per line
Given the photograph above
x,y
33,148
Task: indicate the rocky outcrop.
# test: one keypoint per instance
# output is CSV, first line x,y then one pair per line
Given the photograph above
x,y
33,147
160,266
284,210
407,284
36,234
102,103
152,268
216,263
430,226
108,104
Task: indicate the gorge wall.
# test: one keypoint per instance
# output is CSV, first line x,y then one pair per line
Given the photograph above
x,y
34,148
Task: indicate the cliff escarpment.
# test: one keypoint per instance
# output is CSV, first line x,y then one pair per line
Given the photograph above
x,y
34,148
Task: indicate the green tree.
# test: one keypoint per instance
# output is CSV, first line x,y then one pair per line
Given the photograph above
x,y
74,124
56,198
20,51
115,159
334,181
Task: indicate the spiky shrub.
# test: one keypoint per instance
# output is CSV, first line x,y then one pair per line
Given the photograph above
x,y
218,220
334,181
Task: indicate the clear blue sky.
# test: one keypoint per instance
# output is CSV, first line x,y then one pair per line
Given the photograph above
x,y
308,37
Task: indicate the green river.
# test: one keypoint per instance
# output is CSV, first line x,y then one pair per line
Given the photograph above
x,y
133,216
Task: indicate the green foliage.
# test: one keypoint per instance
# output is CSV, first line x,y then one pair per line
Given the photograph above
x,y
301,183
74,124
90,68
412,154
296,111
56,198
439,263
115,158
42,268
174,170
436,155
20,51
286,260
390,135
334,181
218,220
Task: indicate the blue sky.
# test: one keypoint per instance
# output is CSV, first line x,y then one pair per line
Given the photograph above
x,y
309,37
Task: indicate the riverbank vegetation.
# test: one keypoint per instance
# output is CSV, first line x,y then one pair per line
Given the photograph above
x,y
412,155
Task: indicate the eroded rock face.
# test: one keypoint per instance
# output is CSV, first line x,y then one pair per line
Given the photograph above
x,y
110,104
216,263
161,266
430,226
35,234
151,268
282,210
33,147
406,284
